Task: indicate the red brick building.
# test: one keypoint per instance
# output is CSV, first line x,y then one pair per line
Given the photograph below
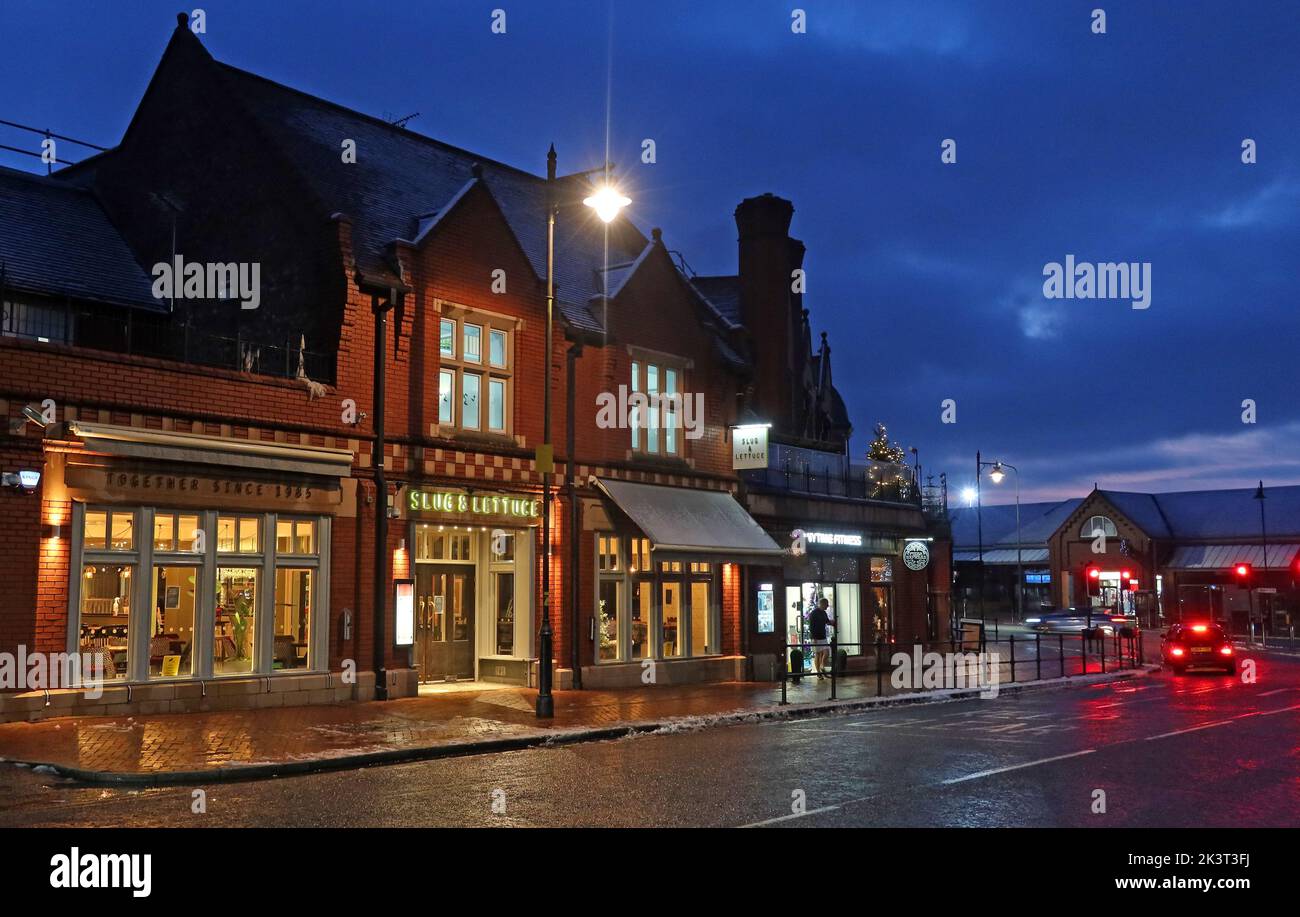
x,y
204,530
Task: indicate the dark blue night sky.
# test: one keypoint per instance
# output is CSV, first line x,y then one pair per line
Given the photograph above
x,y
928,277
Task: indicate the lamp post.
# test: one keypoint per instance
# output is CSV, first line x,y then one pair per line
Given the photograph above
x,y
997,474
607,202
1263,531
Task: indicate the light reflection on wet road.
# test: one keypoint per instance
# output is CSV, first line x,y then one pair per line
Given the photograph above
x,y
1167,751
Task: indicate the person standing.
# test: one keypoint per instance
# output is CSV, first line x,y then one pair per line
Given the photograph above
x,y
819,623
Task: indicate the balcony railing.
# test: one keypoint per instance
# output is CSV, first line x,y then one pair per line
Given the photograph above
x,y
800,470
142,334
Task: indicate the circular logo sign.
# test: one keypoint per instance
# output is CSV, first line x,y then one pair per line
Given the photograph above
x,y
916,554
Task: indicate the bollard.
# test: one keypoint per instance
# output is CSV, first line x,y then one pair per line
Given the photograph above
x,y
1013,658
1061,640
786,657
880,670
1038,656
835,662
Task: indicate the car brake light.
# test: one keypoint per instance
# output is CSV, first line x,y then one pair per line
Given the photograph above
x,y
1225,650
1176,651
1200,628
1119,619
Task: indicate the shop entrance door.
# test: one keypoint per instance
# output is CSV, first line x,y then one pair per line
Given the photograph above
x,y
444,621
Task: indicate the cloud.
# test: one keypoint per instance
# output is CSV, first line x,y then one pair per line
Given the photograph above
x,y
1272,205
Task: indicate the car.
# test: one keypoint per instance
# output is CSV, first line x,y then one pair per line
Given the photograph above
x,y
1199,644
1096,621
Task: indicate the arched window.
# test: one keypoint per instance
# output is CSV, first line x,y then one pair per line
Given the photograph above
x,y
1099,525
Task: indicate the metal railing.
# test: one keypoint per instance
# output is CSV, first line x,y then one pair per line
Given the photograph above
x,y
138,334
1124,646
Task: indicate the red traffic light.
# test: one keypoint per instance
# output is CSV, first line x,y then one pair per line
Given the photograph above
x,y
1241,570
1094,573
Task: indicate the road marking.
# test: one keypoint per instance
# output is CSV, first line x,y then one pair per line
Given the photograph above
x,y
1283,710
1278,691
1179,732
1016,767
791,817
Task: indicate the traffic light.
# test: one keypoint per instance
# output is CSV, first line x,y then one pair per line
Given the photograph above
x,y
1125,580
1092,575
1242,574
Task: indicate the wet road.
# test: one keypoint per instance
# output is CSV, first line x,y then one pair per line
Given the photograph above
x,y
1166,751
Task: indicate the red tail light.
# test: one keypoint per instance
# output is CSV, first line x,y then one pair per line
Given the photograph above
x,y
1119,619
1225,650
1200,628
1176,651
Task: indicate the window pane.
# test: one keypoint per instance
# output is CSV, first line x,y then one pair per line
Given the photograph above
x,y
446,385
170,647
634,415
105,613
505,613
672,615
497,347
292,619
671,418
503,547
305,537
447,338
121,531
469,400
473,352
847,615
652,416
233,626
96,536
496,404
642,597
249,542
607,623
226,541
187,533
284,536
700,618
164,538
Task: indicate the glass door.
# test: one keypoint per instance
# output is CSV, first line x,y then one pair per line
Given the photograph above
x,y
444,621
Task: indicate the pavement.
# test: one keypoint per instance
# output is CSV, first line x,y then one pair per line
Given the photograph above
x,y
187,748
1158,750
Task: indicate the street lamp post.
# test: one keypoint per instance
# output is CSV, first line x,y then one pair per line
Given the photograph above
x,y
997,474
607,202
1263,532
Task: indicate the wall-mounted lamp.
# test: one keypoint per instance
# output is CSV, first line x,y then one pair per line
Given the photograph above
x,y
50,530
25,480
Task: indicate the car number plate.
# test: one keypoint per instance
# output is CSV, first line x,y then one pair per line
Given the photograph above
x,y
1200,649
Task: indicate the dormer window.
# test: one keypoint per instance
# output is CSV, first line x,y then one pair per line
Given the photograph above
x,y
1098,526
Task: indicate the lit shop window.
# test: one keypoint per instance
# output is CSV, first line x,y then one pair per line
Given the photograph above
x,y
106,618
293,610
234,624
110,531
882,570
171,641
176,532
651,610
238,535
1099,526
474,389
295,536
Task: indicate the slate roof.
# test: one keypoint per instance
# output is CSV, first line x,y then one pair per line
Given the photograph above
x,y
1037,522
400,175
55,239
1202,515
723,293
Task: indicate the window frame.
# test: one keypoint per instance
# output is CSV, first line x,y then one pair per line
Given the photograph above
x,y
491,326
662,434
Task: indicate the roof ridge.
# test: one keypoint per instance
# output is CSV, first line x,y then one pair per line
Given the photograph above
x,y
380,122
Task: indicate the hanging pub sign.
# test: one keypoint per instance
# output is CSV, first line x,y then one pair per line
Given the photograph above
x,y
451,503
749,447
916,555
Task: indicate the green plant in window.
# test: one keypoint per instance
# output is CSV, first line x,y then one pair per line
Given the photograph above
x,y
240,619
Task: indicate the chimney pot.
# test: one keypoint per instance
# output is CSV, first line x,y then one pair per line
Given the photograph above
x,y
182,20
657,234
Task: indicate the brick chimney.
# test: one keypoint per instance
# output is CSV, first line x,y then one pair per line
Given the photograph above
x,y
768,308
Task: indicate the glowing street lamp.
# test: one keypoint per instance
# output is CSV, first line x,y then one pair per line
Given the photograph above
x,y
607,202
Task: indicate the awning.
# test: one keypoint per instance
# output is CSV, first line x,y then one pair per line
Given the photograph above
x,y
686,524
1223,556
194,448
1002,556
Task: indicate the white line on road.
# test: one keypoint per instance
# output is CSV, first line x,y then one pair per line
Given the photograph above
x,y
1179,732
1278,691
1016,767
791,817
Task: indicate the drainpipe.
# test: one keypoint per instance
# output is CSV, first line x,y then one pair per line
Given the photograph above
x,y
381,309
575,553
